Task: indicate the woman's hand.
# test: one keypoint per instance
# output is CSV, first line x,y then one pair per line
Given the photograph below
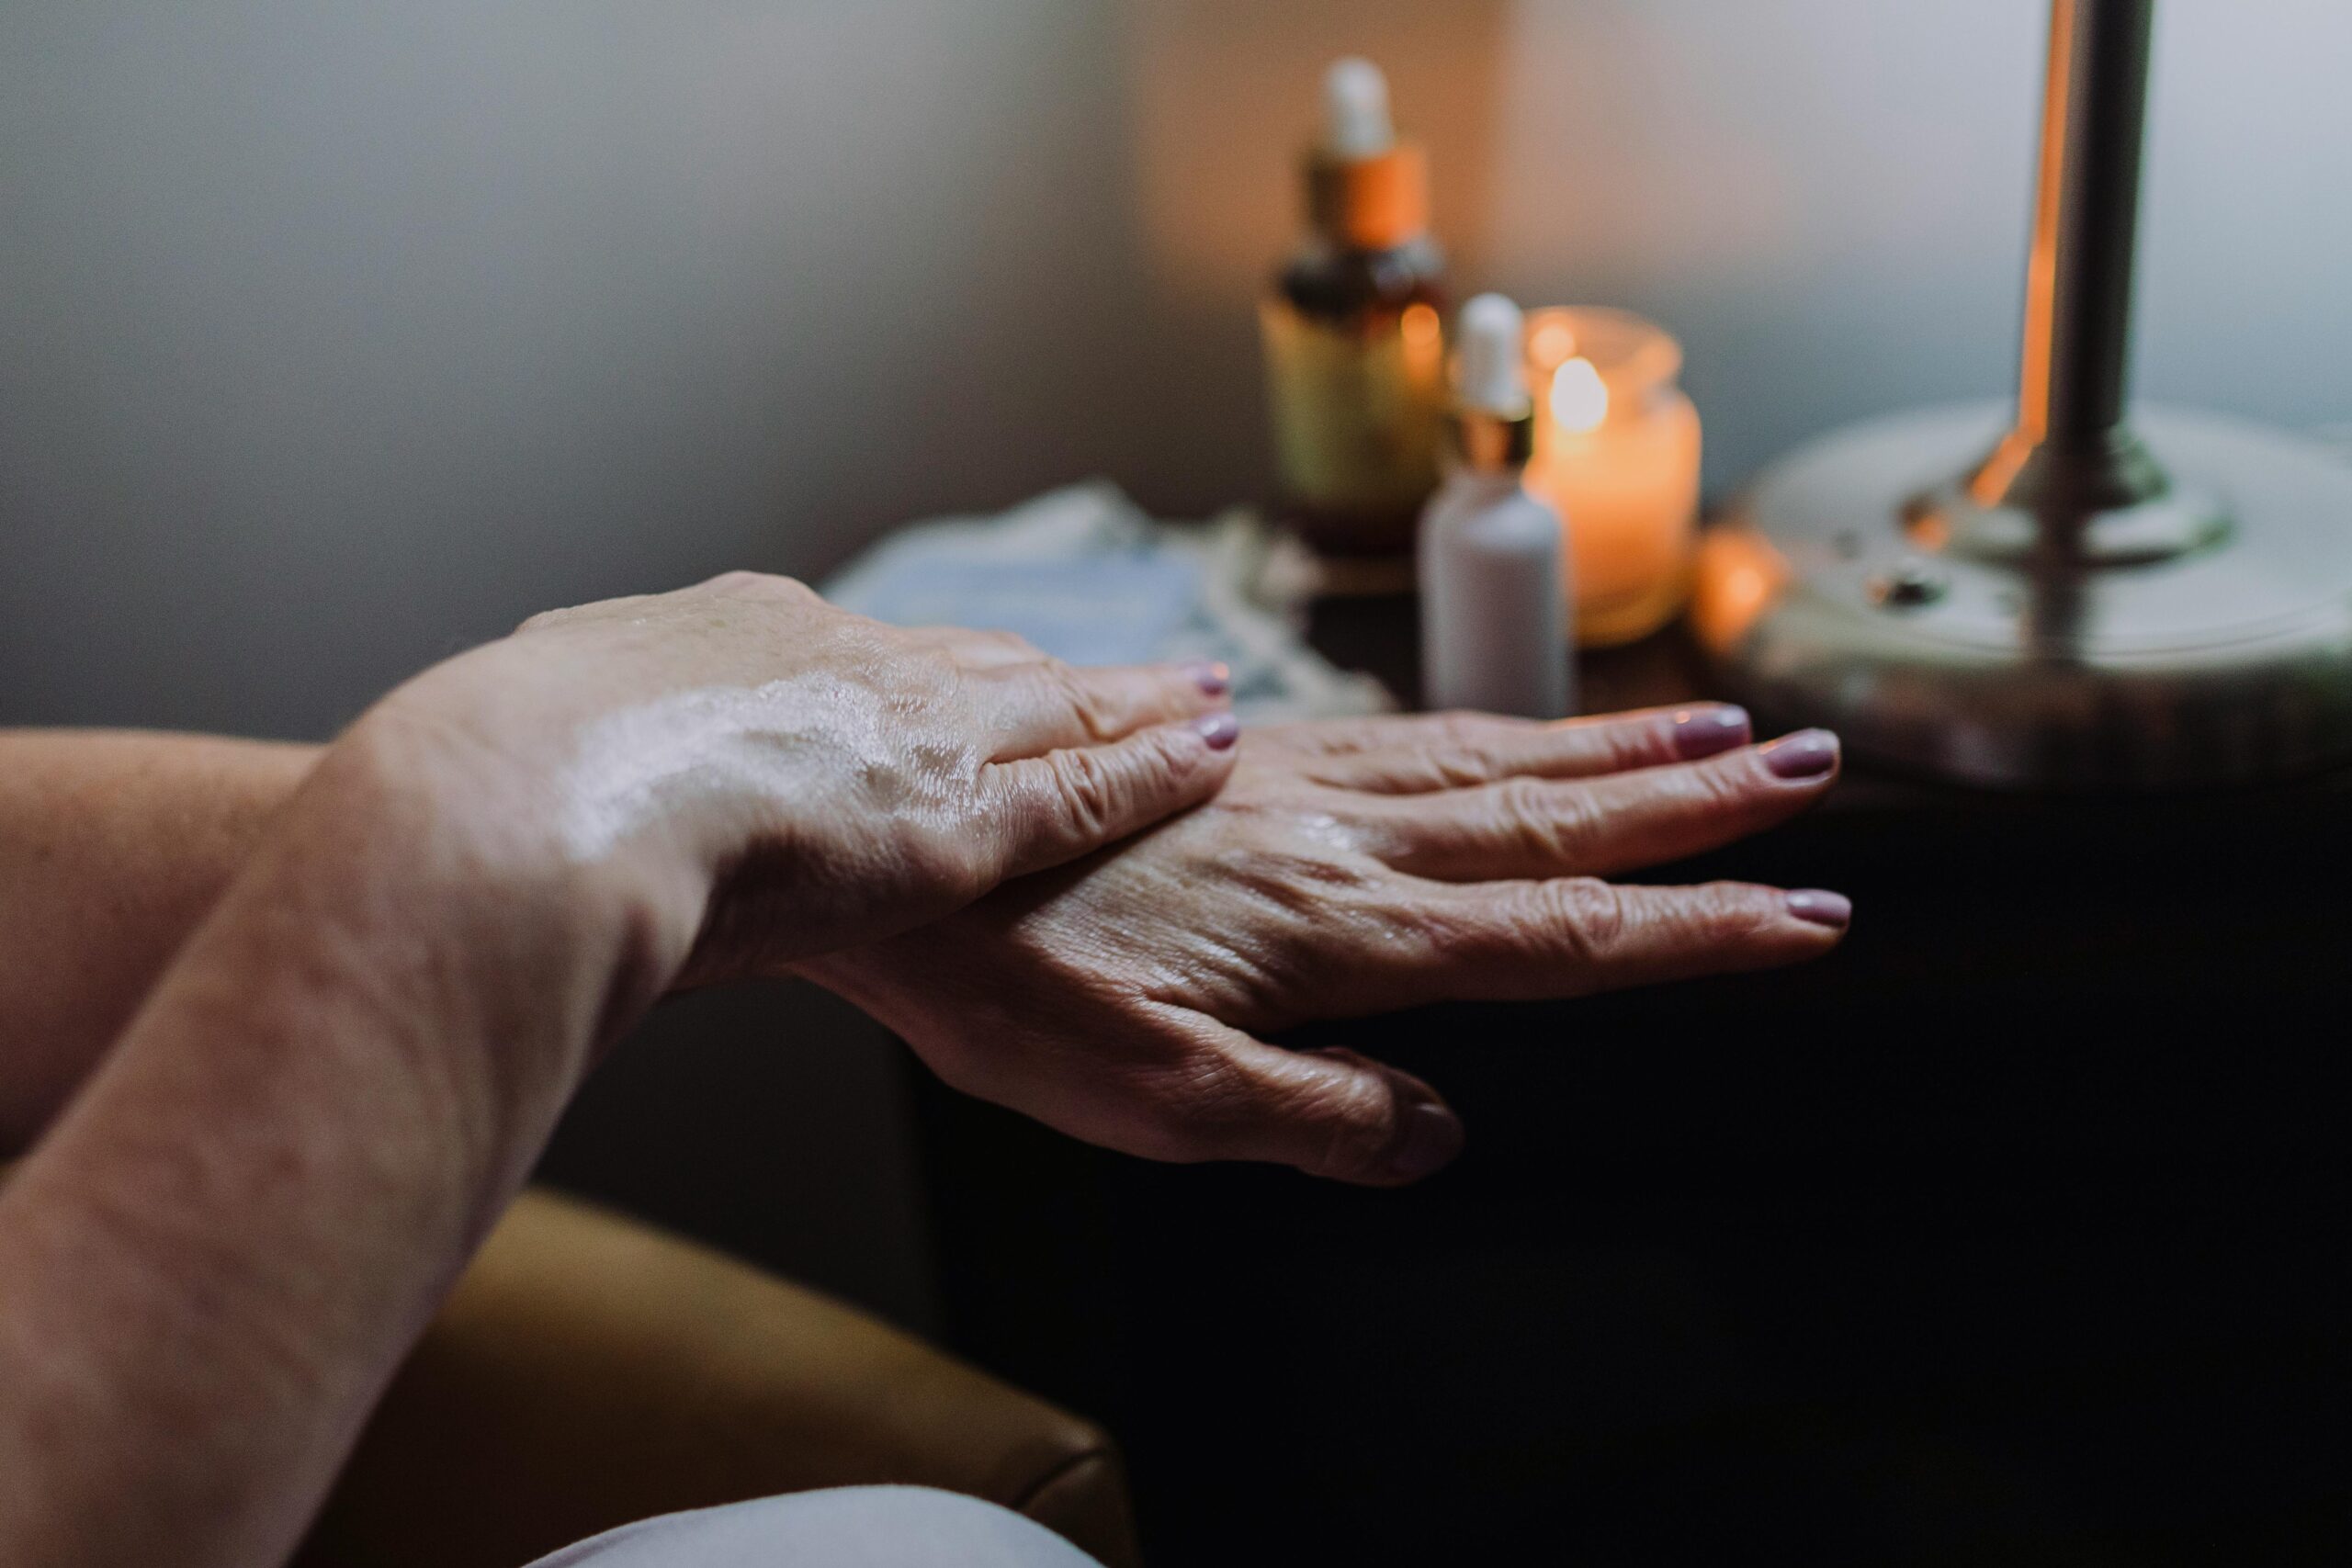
x,y
1348,867
790,778
218,1253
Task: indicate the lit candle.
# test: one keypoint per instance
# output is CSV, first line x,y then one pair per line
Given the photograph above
x,y
1617,451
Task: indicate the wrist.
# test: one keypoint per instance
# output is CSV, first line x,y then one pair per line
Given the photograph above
x,y
411,837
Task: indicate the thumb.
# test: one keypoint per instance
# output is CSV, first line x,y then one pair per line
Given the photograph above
x,y
1069,803
1330,1113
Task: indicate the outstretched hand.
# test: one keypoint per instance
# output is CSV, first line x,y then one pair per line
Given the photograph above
x,y
1348,867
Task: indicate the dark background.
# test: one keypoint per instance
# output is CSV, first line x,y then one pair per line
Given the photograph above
x,y
2013,1233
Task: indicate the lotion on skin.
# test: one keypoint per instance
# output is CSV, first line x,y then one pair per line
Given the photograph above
x,y
1493,571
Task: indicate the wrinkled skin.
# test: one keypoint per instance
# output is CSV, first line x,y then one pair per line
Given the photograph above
x,y
220,1247
224,1241
1347,868
780,777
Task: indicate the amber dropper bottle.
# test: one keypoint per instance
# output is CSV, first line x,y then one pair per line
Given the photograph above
x,y
1355,358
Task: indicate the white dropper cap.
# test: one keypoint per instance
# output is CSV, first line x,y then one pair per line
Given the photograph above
x,y
1355,111
1487,375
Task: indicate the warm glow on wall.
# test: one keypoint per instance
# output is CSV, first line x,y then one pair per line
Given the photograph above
x,y
1218,99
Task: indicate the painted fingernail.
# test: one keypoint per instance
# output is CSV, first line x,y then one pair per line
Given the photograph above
x,y
1210,676
1817,906
1703,732
1431,1138
1807,754
1219,729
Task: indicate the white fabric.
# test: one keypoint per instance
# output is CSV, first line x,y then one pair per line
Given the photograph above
x,y
1085,575
843,1526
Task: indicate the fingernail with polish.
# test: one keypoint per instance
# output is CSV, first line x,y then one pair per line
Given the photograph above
x,y
1219,729
1703,732
1431,1136
1807,754
1211,677
1817,907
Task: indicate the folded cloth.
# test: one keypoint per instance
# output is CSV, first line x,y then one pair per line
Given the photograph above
x,y
1085,575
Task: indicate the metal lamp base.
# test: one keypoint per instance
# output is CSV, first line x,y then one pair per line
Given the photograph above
x,y
2197,636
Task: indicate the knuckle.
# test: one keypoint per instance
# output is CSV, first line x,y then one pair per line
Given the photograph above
x,y
1460,729
930,669
1349,736
1626,747
1728,782
1736,782
1090,791
1166,762
1546,824
1726,909
1462,767
1463,749
746,584
1707,792
1095,712
1359,1128
1584,917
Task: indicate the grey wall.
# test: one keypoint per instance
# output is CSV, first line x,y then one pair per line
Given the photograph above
x,y
334,337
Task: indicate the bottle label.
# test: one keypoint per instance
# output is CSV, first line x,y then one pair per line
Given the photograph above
x,y
1358,414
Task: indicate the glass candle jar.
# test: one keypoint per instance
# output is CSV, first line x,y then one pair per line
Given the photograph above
x,y
1617,451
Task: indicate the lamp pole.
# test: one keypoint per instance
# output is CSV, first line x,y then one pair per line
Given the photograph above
x,y
2087,215
2068,452
2077,607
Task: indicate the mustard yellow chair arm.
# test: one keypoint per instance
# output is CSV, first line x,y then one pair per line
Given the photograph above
x,y
589,1370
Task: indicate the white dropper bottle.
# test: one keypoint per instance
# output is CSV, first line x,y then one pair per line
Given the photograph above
x,y
1494,631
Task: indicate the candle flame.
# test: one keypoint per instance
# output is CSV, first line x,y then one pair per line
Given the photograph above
x,y
1551,341
1579,397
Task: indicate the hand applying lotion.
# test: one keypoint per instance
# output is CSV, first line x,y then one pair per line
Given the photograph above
x,y
1494,633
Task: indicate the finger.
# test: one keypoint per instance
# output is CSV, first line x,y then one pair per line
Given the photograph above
x,y
1073,801
1434,751
1046,704
1329,1113
1527,826
1573,936
975,650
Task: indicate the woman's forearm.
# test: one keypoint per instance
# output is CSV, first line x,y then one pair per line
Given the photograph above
x,y
215,1258
113,845
217,1251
